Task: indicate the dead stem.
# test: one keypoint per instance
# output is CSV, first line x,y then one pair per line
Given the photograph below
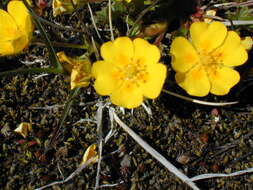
x,y
99,117
154,153
72,175
93,22
110,18
214,175
233,4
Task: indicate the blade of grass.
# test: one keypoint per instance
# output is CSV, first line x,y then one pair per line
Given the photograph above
x,y
29,71
52,55
64,115
55,25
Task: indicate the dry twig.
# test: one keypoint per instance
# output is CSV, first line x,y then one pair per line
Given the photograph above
x,y
214,175
110,18
72,175
93,22
99,117
154,153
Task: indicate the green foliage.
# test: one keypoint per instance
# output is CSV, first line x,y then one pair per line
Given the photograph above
x,y
243,13
3,3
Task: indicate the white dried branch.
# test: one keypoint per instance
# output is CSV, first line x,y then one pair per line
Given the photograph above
x,y
95,48
72,175
112,131
93,21
35,61
214,175
233,4
155,154
111,185
198,101
238,22
84,120
53,107
147,109
110,18
59,169
99,117
40,76
77,171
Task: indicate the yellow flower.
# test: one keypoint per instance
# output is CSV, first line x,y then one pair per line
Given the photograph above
x,y
16,28
90,153
206,63
80,70
129,72
65,6
128,1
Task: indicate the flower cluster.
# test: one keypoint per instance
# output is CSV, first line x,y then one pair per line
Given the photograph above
x,y
16,30
205,64
130,70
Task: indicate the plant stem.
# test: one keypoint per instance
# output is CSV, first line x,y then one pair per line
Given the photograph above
x,y
199,101
31,71
66,110
60,44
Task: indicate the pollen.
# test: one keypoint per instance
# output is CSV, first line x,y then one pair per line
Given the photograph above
x,y
134,72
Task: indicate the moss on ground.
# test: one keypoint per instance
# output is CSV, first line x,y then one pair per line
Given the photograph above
x,y
197,139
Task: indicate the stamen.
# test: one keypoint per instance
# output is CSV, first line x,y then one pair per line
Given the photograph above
x,y
134,73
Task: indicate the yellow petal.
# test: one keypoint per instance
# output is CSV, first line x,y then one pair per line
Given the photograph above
x,y
184,56
143,50
195,82
20,44
23,129
119,52
65,61
223,80
8,27
155,80
107,77
6,48
231,53
63,57
90,153
207,37
80,75
63,7
21,16
127,96
13,46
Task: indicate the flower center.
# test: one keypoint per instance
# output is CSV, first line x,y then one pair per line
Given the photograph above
x,y
210,62
135,72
